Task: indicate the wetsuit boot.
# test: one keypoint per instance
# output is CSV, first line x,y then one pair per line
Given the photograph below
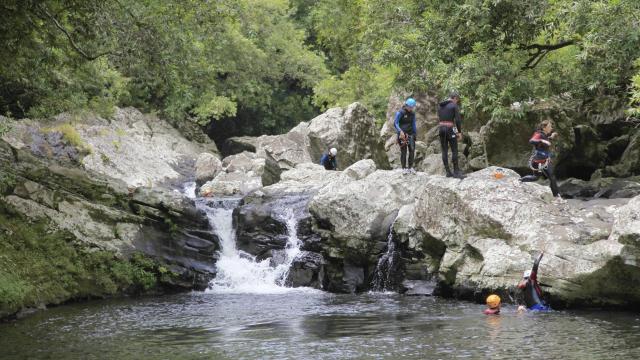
x,y
456,171
448,171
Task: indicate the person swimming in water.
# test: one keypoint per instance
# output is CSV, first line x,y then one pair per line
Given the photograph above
x,y
493,305
532,291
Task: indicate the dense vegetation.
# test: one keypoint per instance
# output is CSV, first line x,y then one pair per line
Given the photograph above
x,y
264,65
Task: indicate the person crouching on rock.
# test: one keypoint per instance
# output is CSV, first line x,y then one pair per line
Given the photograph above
x,y
405,124
493,305
540,161
328,159
532,291
450,131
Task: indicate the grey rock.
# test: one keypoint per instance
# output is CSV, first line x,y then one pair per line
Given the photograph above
x,y
352,131
306,270
419,287
207,167
360,169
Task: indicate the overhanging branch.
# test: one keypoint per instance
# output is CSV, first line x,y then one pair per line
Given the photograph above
x,y
75,46
538,51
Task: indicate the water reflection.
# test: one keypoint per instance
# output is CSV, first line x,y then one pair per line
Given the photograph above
x,y
313,326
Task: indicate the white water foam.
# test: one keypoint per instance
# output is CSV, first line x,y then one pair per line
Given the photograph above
x,y
189,189
240,272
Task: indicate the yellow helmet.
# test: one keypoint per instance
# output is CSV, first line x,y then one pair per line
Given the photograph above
x,y
493,301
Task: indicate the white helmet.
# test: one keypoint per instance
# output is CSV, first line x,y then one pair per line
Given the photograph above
x,y
526,274
333,151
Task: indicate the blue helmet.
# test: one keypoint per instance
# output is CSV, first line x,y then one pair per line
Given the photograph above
x,y
411,102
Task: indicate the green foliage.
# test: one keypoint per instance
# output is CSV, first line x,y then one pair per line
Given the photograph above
x,y
634,102
371,87
39,265
190,60
493,52
70,134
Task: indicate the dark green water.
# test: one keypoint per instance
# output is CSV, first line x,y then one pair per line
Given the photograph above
x,y
313,325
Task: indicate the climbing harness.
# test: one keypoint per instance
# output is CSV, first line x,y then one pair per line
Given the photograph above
x,y
403,141
538,165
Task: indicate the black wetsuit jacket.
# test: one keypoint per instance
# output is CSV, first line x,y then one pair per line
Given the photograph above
x,y
450,111
532,291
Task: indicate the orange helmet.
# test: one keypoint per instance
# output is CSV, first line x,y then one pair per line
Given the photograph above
x,y
493,301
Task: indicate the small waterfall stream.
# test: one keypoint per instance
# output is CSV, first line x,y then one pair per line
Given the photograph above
x,y
388,267
241,272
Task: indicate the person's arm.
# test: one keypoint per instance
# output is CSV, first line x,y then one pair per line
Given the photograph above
x,y
537,138
323,159
457,118
335,163
413,124
396,122
534,270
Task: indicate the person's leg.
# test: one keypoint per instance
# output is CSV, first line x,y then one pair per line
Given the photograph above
x,y
454,154
444,147
412,150
529,178
548,172
403,154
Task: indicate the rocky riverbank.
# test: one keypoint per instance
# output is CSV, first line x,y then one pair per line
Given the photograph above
x,y
88,209
84,212
458,238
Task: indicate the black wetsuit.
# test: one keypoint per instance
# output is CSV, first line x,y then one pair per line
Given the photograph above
x,y
532,291
405,121
450,119
542,156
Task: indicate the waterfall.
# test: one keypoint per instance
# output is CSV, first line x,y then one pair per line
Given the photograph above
x,y
387,268
238,271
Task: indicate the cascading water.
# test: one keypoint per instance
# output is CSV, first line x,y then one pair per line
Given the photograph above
x,y
238,271
388,267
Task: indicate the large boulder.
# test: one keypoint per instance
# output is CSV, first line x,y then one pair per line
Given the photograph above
x,y
106,214
139,149
357,214
242,173
474,236
287,150
496,227
352,131
629,163
610,188
361,169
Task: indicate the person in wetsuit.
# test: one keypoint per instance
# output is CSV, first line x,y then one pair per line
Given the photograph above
x,y
405,124
532,291
450,131
540,162
328,159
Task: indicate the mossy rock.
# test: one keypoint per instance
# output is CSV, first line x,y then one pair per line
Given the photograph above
x,y
40,265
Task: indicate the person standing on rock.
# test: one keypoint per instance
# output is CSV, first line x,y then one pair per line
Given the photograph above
x,y
450,132
328,159
532,291
540,161
405,124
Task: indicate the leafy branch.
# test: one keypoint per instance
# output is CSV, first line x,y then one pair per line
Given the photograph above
x,y
73,44
537,52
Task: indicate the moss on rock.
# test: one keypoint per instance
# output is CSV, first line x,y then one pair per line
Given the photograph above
x,y
40,265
